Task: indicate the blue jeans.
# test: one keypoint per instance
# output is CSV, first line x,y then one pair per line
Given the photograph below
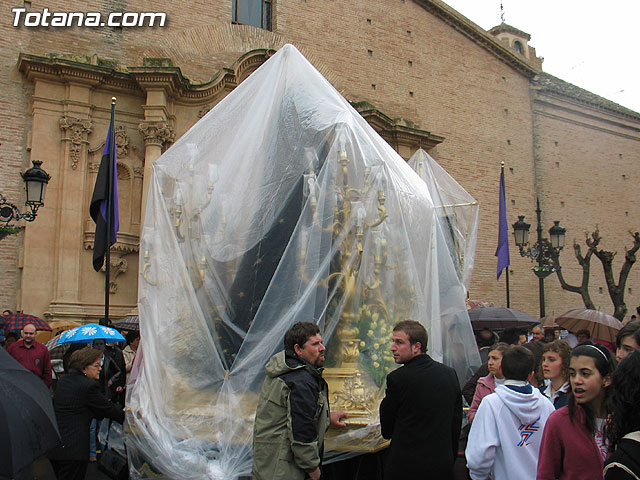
x,y
92,439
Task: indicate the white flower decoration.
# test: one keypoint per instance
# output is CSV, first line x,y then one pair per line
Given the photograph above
x,y
108,331
70,333
89,331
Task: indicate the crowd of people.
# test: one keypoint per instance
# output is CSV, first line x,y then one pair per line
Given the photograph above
x,y
544,410
91,388
539,409
548,411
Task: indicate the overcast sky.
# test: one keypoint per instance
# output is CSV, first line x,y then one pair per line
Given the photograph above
x,y
589,43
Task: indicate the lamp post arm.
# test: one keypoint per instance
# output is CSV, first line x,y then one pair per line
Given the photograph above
x,y
9,212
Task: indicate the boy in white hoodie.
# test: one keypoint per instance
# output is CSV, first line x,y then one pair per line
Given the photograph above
x,y
504,440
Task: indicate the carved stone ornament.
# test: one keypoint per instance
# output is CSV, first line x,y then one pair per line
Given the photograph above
x,y
204,110
76,131
157,133
118,265
122,141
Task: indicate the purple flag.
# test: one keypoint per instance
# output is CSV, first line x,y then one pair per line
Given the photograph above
x,y
502,252
102,202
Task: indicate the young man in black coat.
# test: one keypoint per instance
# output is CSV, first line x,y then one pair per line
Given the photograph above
x,y
422,410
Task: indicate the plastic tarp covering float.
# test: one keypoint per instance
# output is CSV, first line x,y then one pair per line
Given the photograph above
x,y
282,204
456,207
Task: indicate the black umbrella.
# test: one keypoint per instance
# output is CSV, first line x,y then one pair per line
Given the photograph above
x,y
500,317
129,323
28,427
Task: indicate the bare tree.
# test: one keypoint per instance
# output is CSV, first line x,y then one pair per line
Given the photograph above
x,y
616,291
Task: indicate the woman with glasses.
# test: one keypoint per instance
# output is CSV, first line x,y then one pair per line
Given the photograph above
x,y
77,400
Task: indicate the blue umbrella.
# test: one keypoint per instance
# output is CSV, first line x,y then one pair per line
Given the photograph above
x,y
90,332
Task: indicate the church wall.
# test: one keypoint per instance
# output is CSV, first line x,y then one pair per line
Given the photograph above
x,y
460,91
423,70
587,179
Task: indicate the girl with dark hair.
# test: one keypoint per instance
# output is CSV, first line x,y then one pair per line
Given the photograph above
x,y
555,368
625,342
623,426
573,444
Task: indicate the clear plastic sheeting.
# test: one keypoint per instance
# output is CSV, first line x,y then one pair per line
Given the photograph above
x,y
456,208
282,204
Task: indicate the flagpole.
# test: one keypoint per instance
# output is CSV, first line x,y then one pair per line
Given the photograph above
x,y
107,258
506,278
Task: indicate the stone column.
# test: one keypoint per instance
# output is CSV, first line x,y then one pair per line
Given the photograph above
x,y
53,259
156,136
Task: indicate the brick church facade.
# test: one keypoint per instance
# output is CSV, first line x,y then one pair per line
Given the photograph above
x,y
421,73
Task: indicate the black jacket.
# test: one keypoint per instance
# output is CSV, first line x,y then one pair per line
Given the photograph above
x,y
113,370
77,400
421,414
624,463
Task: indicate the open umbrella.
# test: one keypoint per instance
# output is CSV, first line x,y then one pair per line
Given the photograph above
x,y
130,323
57,326
56,350
600,325
17,321
90,332
471,303
28,427
549,322
500,317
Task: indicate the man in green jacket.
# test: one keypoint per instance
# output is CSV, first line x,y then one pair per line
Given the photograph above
x,y
293,410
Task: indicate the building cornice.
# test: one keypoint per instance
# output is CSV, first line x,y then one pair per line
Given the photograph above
x,y
397,131
73,70
545,83
503,27
153,74
479,36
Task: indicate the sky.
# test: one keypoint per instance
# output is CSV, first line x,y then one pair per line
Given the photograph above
x,y
589,43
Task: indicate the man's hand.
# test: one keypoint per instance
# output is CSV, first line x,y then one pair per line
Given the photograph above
x,y
315,475
336,418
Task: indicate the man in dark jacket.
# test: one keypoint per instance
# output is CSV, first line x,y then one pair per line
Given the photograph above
x,y
293,410
422,410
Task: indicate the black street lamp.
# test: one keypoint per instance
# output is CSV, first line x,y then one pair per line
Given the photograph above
x,y
35,180
545,252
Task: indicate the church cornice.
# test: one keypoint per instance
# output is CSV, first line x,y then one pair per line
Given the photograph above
x,y
397,131
546,83
503,27
479,36
153,74
73,70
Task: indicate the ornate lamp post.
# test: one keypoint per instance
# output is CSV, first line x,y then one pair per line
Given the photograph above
x,y
543,251
35,180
